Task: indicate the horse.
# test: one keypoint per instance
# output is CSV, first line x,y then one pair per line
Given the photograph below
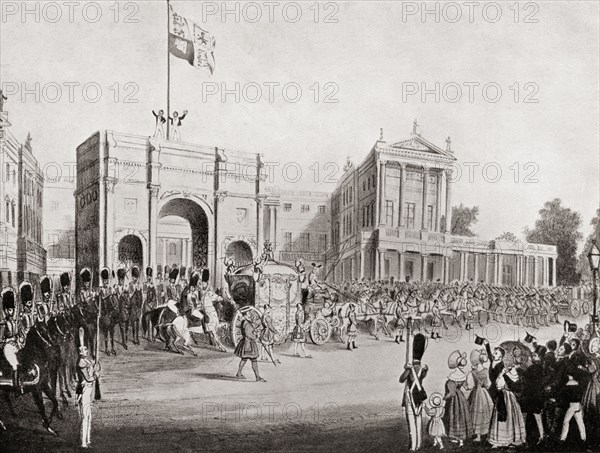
x,y
170,326
61,334
124,305
135,313
35,359
368,312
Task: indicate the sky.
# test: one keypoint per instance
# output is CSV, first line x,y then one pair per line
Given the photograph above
x,y
515,86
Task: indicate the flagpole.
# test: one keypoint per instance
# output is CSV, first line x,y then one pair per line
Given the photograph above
x,y
168,67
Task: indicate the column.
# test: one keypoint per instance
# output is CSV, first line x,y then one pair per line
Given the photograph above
x,y
153,224
438,204
535,271
382,177
362,263
377,269
272,226
423,267
401,195
545,271
476,273
111,253
164,252
424,208
448,202
500,261
554,271
526,264
401,276
260,240
446,278
487,269
381,264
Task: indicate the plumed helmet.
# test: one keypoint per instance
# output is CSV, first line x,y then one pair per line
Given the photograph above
x,y
121,273
173,274
65,279
86,275
182,272
8,298
149,272
105,273
194,279
26,291
419,346
135,272
46,284
205,275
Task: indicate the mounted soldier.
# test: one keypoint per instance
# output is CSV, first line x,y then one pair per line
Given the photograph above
x,y
88,306
182,283
121,295
12,336
136,301
46,287
63,298
109,313
150,297
172,292
27,316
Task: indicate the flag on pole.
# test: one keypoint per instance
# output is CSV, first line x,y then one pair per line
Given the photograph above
x,y
190,42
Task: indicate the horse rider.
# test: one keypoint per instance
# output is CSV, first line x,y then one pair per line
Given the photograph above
x,y
414,394
28,312
209,297
87,295
172,292
108,310
136,301
63,298
121,294
87,374
11,337
46,288
189,297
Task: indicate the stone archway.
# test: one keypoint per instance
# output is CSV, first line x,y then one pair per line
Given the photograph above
x,y
194,214
240,251
131,251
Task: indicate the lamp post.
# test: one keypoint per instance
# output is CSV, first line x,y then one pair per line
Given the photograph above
x,y
594,259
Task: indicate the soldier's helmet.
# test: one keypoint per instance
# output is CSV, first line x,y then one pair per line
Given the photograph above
x,y
182,272
65,279
149,272
419,346
8,299
85,275
105,274
135,272
26,292
121,273
205,275
194,279
46,285
173,274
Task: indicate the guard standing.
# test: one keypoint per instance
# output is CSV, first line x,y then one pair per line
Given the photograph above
x,y
109,313
46,287
87,373
63,298
122,296
10,341
150,299
414,393
136,301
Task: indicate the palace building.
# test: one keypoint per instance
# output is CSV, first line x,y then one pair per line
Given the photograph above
x,y
390,219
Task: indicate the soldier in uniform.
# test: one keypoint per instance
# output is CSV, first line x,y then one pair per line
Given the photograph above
x,y
189,297
108,310
172,292
136,301
28,312
121,294
87,374
88,305
46,287
63,298
182,283
414,393
150,298
11,338
207,301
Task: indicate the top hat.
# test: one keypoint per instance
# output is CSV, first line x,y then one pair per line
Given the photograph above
x,y
528,337
570,326
478,340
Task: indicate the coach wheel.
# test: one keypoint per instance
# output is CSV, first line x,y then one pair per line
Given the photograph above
x,y
320,331
585,307
236,323
575,309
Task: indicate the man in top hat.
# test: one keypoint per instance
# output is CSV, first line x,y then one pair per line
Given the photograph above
x,y
28,312
46,288
136,301
12,334
209,297
172,292
414,393
108,310
87,374
63,298
121,294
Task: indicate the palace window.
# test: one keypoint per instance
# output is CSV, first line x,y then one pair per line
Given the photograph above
x,y
372,213
172,248
322,247
369,183
287,241
305,208
304,242
7,211
364,185
350,194
389,213
322,209
430,217
409,215
287,207
12,213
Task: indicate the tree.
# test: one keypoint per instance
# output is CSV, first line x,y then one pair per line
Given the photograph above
x,y
463,219
507,236
583,264
559,226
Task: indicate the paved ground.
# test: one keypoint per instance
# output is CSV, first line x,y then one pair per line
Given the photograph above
x,y
338,400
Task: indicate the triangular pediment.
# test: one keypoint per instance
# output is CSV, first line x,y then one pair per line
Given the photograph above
x,y
414,145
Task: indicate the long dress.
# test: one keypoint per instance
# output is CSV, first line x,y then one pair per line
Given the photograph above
x,y
507,426
457,418
591,398
480,402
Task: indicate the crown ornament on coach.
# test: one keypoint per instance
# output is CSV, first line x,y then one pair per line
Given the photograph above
x,y
8,299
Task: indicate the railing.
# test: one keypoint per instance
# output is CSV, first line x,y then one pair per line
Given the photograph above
x,y
306,256
437,237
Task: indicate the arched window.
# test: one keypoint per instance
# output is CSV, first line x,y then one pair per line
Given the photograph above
x,y
7,211
12,213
